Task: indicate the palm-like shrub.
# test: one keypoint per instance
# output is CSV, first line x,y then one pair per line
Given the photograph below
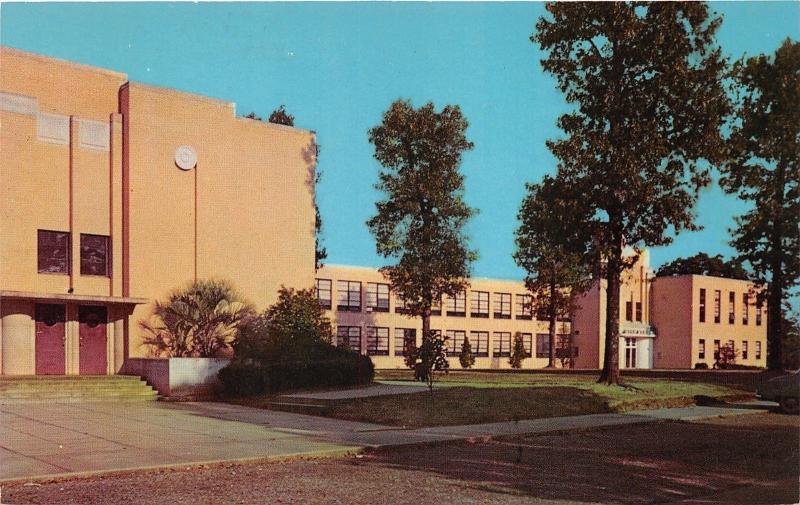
x,y
197,321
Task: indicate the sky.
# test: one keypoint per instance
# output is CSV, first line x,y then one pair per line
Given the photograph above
x,y
338,66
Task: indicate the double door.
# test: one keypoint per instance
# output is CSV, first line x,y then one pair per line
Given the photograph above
x,y
51,339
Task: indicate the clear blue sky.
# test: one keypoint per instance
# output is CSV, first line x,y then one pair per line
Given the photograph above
x,y
337,67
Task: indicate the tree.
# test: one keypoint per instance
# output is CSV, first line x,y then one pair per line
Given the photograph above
x,y
762,169
517,352
645,81
199,320
727,356
703,264
791,342
552,246
280,116
466,358
293,328
430,358
420,223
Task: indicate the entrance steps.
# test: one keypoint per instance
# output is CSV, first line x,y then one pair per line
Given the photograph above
x,y
74,388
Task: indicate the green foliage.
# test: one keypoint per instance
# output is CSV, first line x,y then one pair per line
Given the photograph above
x,y
429,358
198,320
280,116
645,82
420,222
293,329
791,342
727,356
339,369
762,169
465,357
703,264
517,352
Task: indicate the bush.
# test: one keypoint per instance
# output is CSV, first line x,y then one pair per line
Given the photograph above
x,y
518,352
701,366
340,369
466,358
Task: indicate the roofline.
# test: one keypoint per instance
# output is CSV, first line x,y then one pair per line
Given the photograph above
x,y
82,66
706,276
376,270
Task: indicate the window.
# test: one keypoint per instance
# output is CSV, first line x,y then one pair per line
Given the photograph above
x,y
542,345
629,311
502,343
436,307
54,252
377,341
502,305
702,305
639,311
524,307
744,349
479,340
455,339
324,293
731,346
758,349
479,304
349,296
404,337
717,305
701,349
731,307
716,350
94,255
350,337
457,305
527,343
378,297
400,305
745,308
758,315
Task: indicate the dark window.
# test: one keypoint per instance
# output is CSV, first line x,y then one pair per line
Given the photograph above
x,y
731,307
758,315
629,311
479,304
524,307
54,252
403,338
377,341
702,305
745,308
716,349
639,311
717,305
348,296
502,344
502,305
744,349
542,345
324,293
479,340
701,349
527,343
457,305
758,349
94,255
378,297
349,337
455,339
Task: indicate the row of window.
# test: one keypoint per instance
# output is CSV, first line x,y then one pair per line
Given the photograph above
x,y
348,299
731,307
377,342
54,252
744,350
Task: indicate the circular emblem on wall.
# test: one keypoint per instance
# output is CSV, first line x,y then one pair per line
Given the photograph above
x,y
185,157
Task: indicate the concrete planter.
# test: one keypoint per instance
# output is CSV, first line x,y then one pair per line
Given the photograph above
x,y
176,375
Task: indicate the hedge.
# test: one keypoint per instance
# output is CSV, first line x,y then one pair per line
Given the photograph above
x,y
247,379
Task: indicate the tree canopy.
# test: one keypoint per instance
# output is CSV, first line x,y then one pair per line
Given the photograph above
x,y
703,264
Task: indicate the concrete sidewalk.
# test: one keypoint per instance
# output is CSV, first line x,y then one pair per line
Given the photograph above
x,y
46,440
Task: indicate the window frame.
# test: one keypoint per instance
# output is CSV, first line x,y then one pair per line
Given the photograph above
x,y
498,349
717,306
455,338
330,294
67,251
744,349
406,335
629,310
545,353
502,305
731,307
745,309
639,311
350,307
107,258
758,349
350,337
717,346
702,305
380,288
454,303
480,339
701,348
374,340
477,300
522,313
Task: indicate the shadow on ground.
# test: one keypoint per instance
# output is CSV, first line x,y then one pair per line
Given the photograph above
x,y
753,459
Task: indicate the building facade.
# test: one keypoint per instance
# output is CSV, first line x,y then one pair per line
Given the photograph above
x,y
116,193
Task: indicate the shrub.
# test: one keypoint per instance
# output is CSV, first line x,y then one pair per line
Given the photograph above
x,y
466,358
701,366
429,358
518,352
727,357
199,320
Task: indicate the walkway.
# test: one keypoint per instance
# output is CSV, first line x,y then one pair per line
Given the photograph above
x,y
38,440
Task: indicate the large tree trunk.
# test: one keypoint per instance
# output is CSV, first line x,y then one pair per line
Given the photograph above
x,y
551,329
775,321
426,323
610,373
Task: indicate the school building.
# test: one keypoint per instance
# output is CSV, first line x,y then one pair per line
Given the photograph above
x,y
117,192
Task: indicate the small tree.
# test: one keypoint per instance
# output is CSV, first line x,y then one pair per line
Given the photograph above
x,y
197,321
280,116
466,358
517,352
430,358
727,356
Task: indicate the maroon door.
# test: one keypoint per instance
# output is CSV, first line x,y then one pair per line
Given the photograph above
x,y
50,339
92,338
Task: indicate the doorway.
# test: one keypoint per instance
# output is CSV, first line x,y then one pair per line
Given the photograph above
x,y
93,342
51,339
630,353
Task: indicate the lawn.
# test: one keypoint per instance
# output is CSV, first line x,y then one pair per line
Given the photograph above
x,y
469,398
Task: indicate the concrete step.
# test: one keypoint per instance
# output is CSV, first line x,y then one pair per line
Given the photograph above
x,y
18,389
